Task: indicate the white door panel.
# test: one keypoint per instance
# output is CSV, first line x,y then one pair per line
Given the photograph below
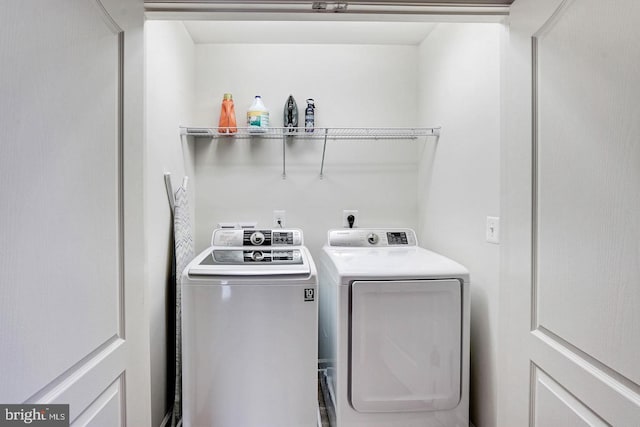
x,y
569,321
106,410
555,406
62,311
62,197
613,400
588,170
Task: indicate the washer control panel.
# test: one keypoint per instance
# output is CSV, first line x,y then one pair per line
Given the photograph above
x,y
370,237
255,237
268,256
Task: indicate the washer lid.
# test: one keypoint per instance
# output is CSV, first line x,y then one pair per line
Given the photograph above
x,y
391,263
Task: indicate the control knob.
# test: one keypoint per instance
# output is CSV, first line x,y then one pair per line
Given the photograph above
x,y
257,238
257,256
372,238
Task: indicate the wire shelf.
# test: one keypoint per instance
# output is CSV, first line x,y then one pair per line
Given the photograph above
x,y
287,134
314,133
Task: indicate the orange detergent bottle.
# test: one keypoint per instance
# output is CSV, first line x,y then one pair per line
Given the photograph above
x,y
227,122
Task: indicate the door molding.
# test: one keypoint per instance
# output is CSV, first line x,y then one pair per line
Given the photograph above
x,y
119,33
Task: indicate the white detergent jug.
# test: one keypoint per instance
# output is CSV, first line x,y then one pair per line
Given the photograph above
x,y
258,116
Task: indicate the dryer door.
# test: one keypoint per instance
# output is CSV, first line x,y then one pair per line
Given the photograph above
x,y
405,345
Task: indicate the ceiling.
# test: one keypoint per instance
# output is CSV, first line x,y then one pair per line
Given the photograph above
x,y
328,22
309,32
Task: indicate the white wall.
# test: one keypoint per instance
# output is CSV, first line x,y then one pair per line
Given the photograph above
x,y
169,78
459,179
353,85
445,190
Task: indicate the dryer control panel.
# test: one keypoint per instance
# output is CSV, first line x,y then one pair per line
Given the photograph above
x,y
256,237
368,237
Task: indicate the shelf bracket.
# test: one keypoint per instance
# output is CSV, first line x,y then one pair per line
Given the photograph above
x,y
324,149
284,168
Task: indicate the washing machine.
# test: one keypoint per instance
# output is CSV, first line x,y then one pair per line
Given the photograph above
x,y
249,332
394,331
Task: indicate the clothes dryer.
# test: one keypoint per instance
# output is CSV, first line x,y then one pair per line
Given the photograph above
x,y
249,340
394,329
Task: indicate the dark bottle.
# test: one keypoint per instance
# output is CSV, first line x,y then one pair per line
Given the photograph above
x,y
291,114
310,115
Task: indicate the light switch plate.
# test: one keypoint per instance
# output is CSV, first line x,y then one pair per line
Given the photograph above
x,y
493,229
